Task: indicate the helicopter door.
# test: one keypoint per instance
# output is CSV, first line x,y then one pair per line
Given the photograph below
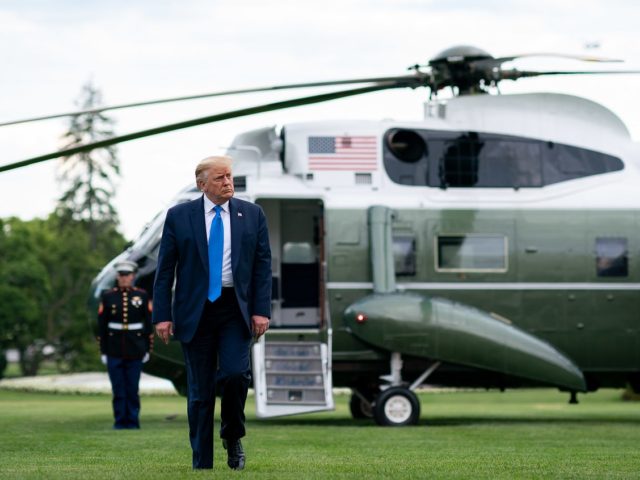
x,y
292,362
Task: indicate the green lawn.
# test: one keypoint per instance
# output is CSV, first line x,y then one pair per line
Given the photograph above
x,y
46,368
517,434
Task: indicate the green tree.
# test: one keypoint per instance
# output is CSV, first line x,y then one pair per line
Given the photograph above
x,y
72,263
24,292
85,223
48,264
88,178
45,277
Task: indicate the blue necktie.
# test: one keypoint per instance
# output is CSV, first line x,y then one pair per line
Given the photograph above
x,y
216,247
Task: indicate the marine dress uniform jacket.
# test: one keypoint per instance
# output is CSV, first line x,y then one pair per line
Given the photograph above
x,y
124,322
184,256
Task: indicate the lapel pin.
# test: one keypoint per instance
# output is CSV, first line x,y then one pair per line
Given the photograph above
x,y
239,214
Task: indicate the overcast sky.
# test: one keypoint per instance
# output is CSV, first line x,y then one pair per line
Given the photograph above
x,y
143,49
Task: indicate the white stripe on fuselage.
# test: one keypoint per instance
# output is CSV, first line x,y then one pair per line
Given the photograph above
x,y
488,286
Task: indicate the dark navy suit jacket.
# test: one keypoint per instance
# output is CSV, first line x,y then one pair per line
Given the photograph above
x,y
184,257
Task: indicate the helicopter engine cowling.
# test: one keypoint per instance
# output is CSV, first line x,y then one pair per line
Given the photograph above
x,y
439,329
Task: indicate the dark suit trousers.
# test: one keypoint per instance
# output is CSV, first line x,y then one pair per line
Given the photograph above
x,y
221,341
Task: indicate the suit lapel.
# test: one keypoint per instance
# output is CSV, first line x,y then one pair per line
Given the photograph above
x,y
197,224
237,228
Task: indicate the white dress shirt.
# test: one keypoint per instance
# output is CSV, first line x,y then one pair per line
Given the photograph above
x,y
209,213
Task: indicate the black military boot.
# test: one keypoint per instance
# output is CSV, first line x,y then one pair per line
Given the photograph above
x,y
235,454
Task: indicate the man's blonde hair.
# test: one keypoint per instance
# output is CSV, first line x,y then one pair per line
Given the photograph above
x,y
202,169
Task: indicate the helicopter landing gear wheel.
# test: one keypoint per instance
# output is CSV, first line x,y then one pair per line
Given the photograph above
x,y
360,407
396,406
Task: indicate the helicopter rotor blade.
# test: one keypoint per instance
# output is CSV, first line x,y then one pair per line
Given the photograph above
x,y
407,78
516,74
295,102
583,58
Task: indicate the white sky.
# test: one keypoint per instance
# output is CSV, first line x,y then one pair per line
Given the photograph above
x,y
144,49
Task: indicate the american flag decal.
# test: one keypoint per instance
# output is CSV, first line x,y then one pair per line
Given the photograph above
x,y
358,154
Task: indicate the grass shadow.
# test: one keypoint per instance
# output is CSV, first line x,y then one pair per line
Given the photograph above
x,y
454,421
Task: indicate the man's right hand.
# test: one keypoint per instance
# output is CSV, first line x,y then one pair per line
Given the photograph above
x,y
164,331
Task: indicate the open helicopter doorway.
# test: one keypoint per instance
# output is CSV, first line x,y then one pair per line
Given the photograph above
x,y
292,362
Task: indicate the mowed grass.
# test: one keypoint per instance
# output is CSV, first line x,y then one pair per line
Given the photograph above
x,y
516,434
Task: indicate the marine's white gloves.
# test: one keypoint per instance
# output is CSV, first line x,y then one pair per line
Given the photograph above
x,y
103,359
145,359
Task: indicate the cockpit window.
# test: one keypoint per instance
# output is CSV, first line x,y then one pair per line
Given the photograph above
x,y
473,159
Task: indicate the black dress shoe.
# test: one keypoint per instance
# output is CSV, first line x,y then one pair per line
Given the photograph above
x,y
235,454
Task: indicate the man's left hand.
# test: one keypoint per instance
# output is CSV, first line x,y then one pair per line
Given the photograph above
x,y
259,325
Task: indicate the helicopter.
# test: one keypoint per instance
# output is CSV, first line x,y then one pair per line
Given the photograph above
x,y
492,244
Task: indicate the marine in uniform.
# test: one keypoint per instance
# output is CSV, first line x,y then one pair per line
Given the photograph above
x,y
126,338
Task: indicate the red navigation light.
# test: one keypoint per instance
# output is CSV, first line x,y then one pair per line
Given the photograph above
x,y
361,318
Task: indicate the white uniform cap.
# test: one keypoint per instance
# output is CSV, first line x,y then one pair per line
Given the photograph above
x,y
126,266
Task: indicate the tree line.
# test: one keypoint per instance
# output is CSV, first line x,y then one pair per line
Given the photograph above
x,y
48,264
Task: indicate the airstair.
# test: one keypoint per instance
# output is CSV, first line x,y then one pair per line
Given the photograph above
x,y
291,377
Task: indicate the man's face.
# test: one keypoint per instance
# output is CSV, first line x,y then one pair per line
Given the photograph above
x,y
125,279
219,184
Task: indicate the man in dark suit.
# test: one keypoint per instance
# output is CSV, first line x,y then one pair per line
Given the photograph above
x,y
217,249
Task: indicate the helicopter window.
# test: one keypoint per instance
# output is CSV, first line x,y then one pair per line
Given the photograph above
x,y
459,164
612,257
527,160
564,162
472,160
481,160
406,180
406,156
471,253
406,145
404,254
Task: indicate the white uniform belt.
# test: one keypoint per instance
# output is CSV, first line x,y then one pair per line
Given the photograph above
x,y
125,326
